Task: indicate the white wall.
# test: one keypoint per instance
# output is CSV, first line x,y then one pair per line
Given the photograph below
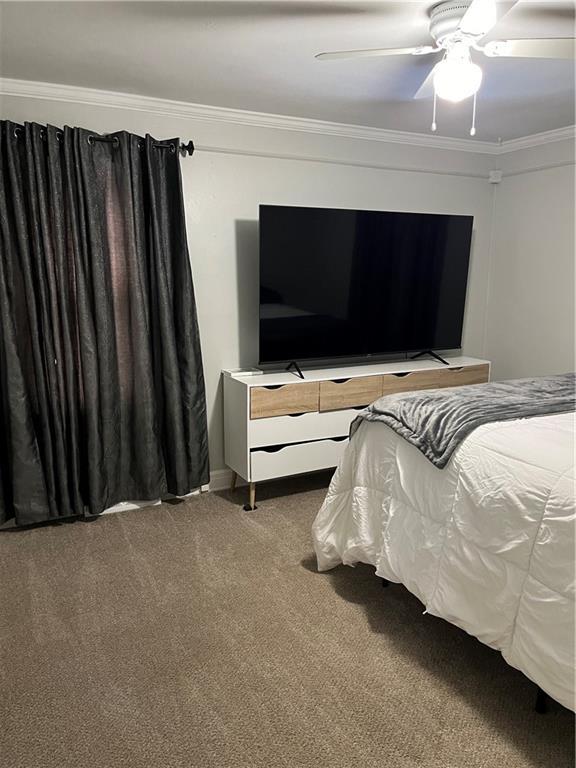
x,y
240,163
223,193
531,304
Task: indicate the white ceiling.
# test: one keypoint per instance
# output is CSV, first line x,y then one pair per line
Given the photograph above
x,y
260,56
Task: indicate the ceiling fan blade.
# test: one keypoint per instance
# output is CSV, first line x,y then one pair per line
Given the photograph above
x,y
535,48
426,90
419,50
481,16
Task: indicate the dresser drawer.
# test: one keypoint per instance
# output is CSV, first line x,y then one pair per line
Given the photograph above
x,y
283,400
435,379
348,393
267,463
297,429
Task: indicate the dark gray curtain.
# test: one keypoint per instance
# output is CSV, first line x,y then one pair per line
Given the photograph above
x,y
101,382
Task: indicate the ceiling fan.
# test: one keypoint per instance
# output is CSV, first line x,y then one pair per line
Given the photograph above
x,y
457,28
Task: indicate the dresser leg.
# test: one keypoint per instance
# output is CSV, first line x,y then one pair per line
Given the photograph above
x,y
233,483
252,504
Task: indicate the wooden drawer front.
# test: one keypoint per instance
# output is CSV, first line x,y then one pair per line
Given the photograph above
x,y
295,459
348,393
283,400
440,377
297,429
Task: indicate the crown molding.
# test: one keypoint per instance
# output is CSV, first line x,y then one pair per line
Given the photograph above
x,y
568,133
190,111
240,117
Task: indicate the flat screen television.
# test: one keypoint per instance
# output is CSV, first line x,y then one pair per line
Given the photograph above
x,y
341,283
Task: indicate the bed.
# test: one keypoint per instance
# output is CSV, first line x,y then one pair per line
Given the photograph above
x,y
486,541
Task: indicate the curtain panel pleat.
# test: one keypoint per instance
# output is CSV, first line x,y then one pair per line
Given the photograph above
x,y
101,382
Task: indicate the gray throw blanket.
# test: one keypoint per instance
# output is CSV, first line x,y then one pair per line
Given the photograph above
x,y
436,421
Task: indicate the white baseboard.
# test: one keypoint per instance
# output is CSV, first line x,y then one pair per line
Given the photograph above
x,y
221,479
122,506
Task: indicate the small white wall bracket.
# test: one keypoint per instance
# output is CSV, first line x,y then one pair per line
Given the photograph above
x,y
495,177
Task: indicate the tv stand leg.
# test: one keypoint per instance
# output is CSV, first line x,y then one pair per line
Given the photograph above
x,y
252,499
298,371
432,354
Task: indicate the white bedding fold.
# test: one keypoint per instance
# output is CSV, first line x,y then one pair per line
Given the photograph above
x,y
486,543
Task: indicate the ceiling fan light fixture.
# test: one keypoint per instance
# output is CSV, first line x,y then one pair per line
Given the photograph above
x,y
456,79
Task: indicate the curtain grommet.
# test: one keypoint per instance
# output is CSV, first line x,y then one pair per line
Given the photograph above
x,y
92,139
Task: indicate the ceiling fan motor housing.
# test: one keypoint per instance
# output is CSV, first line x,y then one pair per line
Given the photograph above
x,y
445,19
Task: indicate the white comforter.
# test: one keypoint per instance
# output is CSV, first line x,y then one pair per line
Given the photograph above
x,y
486,543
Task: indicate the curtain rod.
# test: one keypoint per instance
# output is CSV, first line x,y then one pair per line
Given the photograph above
x,y
185,149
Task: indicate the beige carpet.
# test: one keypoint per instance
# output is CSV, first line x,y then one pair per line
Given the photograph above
x,y
200,636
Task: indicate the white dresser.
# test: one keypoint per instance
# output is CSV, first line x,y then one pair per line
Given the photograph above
x,y
276,424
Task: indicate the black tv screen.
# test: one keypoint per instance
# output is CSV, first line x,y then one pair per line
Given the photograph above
x,y
342,283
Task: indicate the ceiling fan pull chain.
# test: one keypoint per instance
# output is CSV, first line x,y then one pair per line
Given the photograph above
x,y
434,126
473,129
